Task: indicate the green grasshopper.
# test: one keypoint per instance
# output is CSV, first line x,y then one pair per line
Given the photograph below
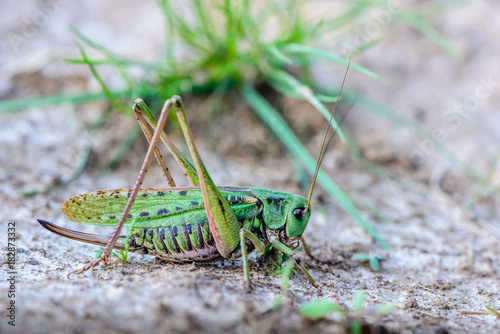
x,y
202,222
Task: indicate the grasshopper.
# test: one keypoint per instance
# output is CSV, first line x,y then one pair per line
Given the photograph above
x,y
202,222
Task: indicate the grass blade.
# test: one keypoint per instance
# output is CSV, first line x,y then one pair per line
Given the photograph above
x,y
273,50
205,19
120,62
358,301
93,44
42,101
492,310
374,264
362,48
416,128
319,308
290,86
109,94
426,29
307,50
361,257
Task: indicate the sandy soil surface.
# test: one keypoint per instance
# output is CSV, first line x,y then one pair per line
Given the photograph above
x,y
444,267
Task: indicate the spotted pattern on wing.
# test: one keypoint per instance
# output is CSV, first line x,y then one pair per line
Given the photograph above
x,y
154,207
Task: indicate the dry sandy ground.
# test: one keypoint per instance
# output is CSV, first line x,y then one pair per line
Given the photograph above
x,y
444,267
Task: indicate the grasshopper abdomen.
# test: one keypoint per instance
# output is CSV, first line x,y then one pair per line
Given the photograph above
x,y
191,242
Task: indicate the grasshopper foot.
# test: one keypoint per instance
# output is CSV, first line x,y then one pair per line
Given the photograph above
x,y
90,265
318,289
329,262
308,252
248,287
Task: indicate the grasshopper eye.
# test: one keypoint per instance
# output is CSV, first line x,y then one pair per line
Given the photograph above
x,y
299,214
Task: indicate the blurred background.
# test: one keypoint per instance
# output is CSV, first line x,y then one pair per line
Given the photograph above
x,y
413,177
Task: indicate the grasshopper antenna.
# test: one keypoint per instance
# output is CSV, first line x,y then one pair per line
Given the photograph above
x,y
325,142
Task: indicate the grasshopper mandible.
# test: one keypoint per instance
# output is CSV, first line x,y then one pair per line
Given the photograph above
x,y
202,222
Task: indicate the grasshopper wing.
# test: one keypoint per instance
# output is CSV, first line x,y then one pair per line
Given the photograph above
x,y
154,207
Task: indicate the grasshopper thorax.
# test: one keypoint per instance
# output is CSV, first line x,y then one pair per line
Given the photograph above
x,y
284,214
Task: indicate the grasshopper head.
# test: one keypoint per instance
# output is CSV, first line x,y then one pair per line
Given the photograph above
x,y
285,215
297,218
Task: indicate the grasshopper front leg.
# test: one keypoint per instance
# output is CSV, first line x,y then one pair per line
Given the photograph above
x,y
259,247
288,251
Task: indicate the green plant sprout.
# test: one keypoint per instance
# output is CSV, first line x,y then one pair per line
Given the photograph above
x,y
319,308
492,310
373,260
122,255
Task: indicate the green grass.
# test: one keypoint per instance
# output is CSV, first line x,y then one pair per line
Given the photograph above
x,y
373,260
493,311
217,48
319,308
121,255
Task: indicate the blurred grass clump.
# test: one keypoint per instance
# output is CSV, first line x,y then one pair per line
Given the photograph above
x,y
217,47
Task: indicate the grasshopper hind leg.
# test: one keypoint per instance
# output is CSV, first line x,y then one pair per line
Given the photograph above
x,y
89,238
95,239
140,178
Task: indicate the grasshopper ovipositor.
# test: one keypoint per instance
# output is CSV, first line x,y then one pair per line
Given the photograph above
x,y
203,222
